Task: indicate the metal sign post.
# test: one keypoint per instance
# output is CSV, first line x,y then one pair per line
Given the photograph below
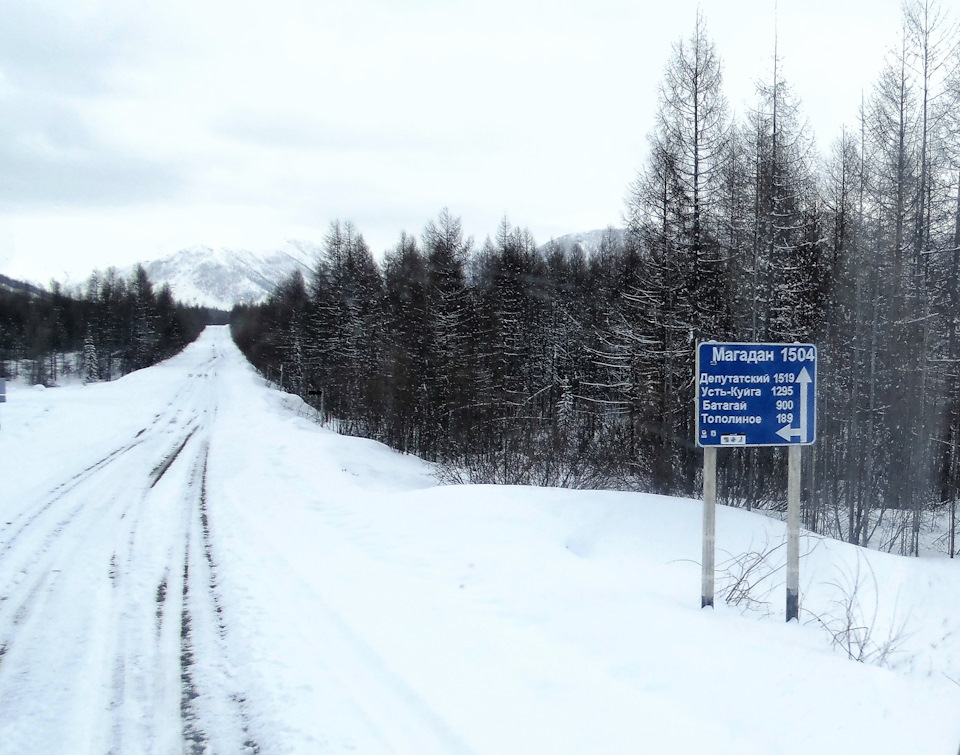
x,y
755,394
709,525
3,391
793,533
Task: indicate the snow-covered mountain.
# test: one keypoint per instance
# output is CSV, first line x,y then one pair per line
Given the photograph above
x,y
220,278
589,241
12,284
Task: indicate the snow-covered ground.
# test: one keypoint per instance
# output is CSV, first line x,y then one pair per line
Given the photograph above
x,y
189,563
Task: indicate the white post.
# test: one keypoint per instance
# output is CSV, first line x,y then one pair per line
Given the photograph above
x,y
709,523
793,534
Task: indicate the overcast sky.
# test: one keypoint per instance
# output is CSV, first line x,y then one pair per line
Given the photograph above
x,y
132,129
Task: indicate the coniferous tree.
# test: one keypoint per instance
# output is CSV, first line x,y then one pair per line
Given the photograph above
x,y
450,363
674,222
347,291
90,369
788,275
410,425
517,363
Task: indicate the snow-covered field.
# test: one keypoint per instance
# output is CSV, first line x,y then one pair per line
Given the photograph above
x,y
188,563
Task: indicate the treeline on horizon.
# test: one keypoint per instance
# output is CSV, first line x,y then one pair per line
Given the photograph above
x,y
113,326
511,363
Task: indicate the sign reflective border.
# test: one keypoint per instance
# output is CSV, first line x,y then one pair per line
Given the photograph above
x,y
756,394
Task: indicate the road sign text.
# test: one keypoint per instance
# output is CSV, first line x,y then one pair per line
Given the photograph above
x,y
756,394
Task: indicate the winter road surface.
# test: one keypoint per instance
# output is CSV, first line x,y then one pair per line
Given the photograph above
x,y
113,635
117,633
190,564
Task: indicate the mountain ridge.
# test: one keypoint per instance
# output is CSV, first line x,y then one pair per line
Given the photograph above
x,y
221,278
589,241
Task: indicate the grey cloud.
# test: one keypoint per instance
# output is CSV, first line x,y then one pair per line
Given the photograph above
x,y
43,48
88,180
299,132
55,58
49,157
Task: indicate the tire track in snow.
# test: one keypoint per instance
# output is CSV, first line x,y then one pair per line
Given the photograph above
x,y
100,559
143,698
58,494
37,556
67,523
161,469
41,573
161,601
23,520
194,737
220,708
85,561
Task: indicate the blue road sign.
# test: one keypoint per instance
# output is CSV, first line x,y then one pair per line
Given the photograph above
x,y
756,394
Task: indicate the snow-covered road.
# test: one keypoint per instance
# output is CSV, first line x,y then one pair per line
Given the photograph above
x,y
116,634
112,630
189,563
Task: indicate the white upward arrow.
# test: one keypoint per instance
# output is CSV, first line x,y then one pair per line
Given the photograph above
x,y
787,432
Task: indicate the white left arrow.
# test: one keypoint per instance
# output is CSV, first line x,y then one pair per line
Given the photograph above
x,y
787,432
